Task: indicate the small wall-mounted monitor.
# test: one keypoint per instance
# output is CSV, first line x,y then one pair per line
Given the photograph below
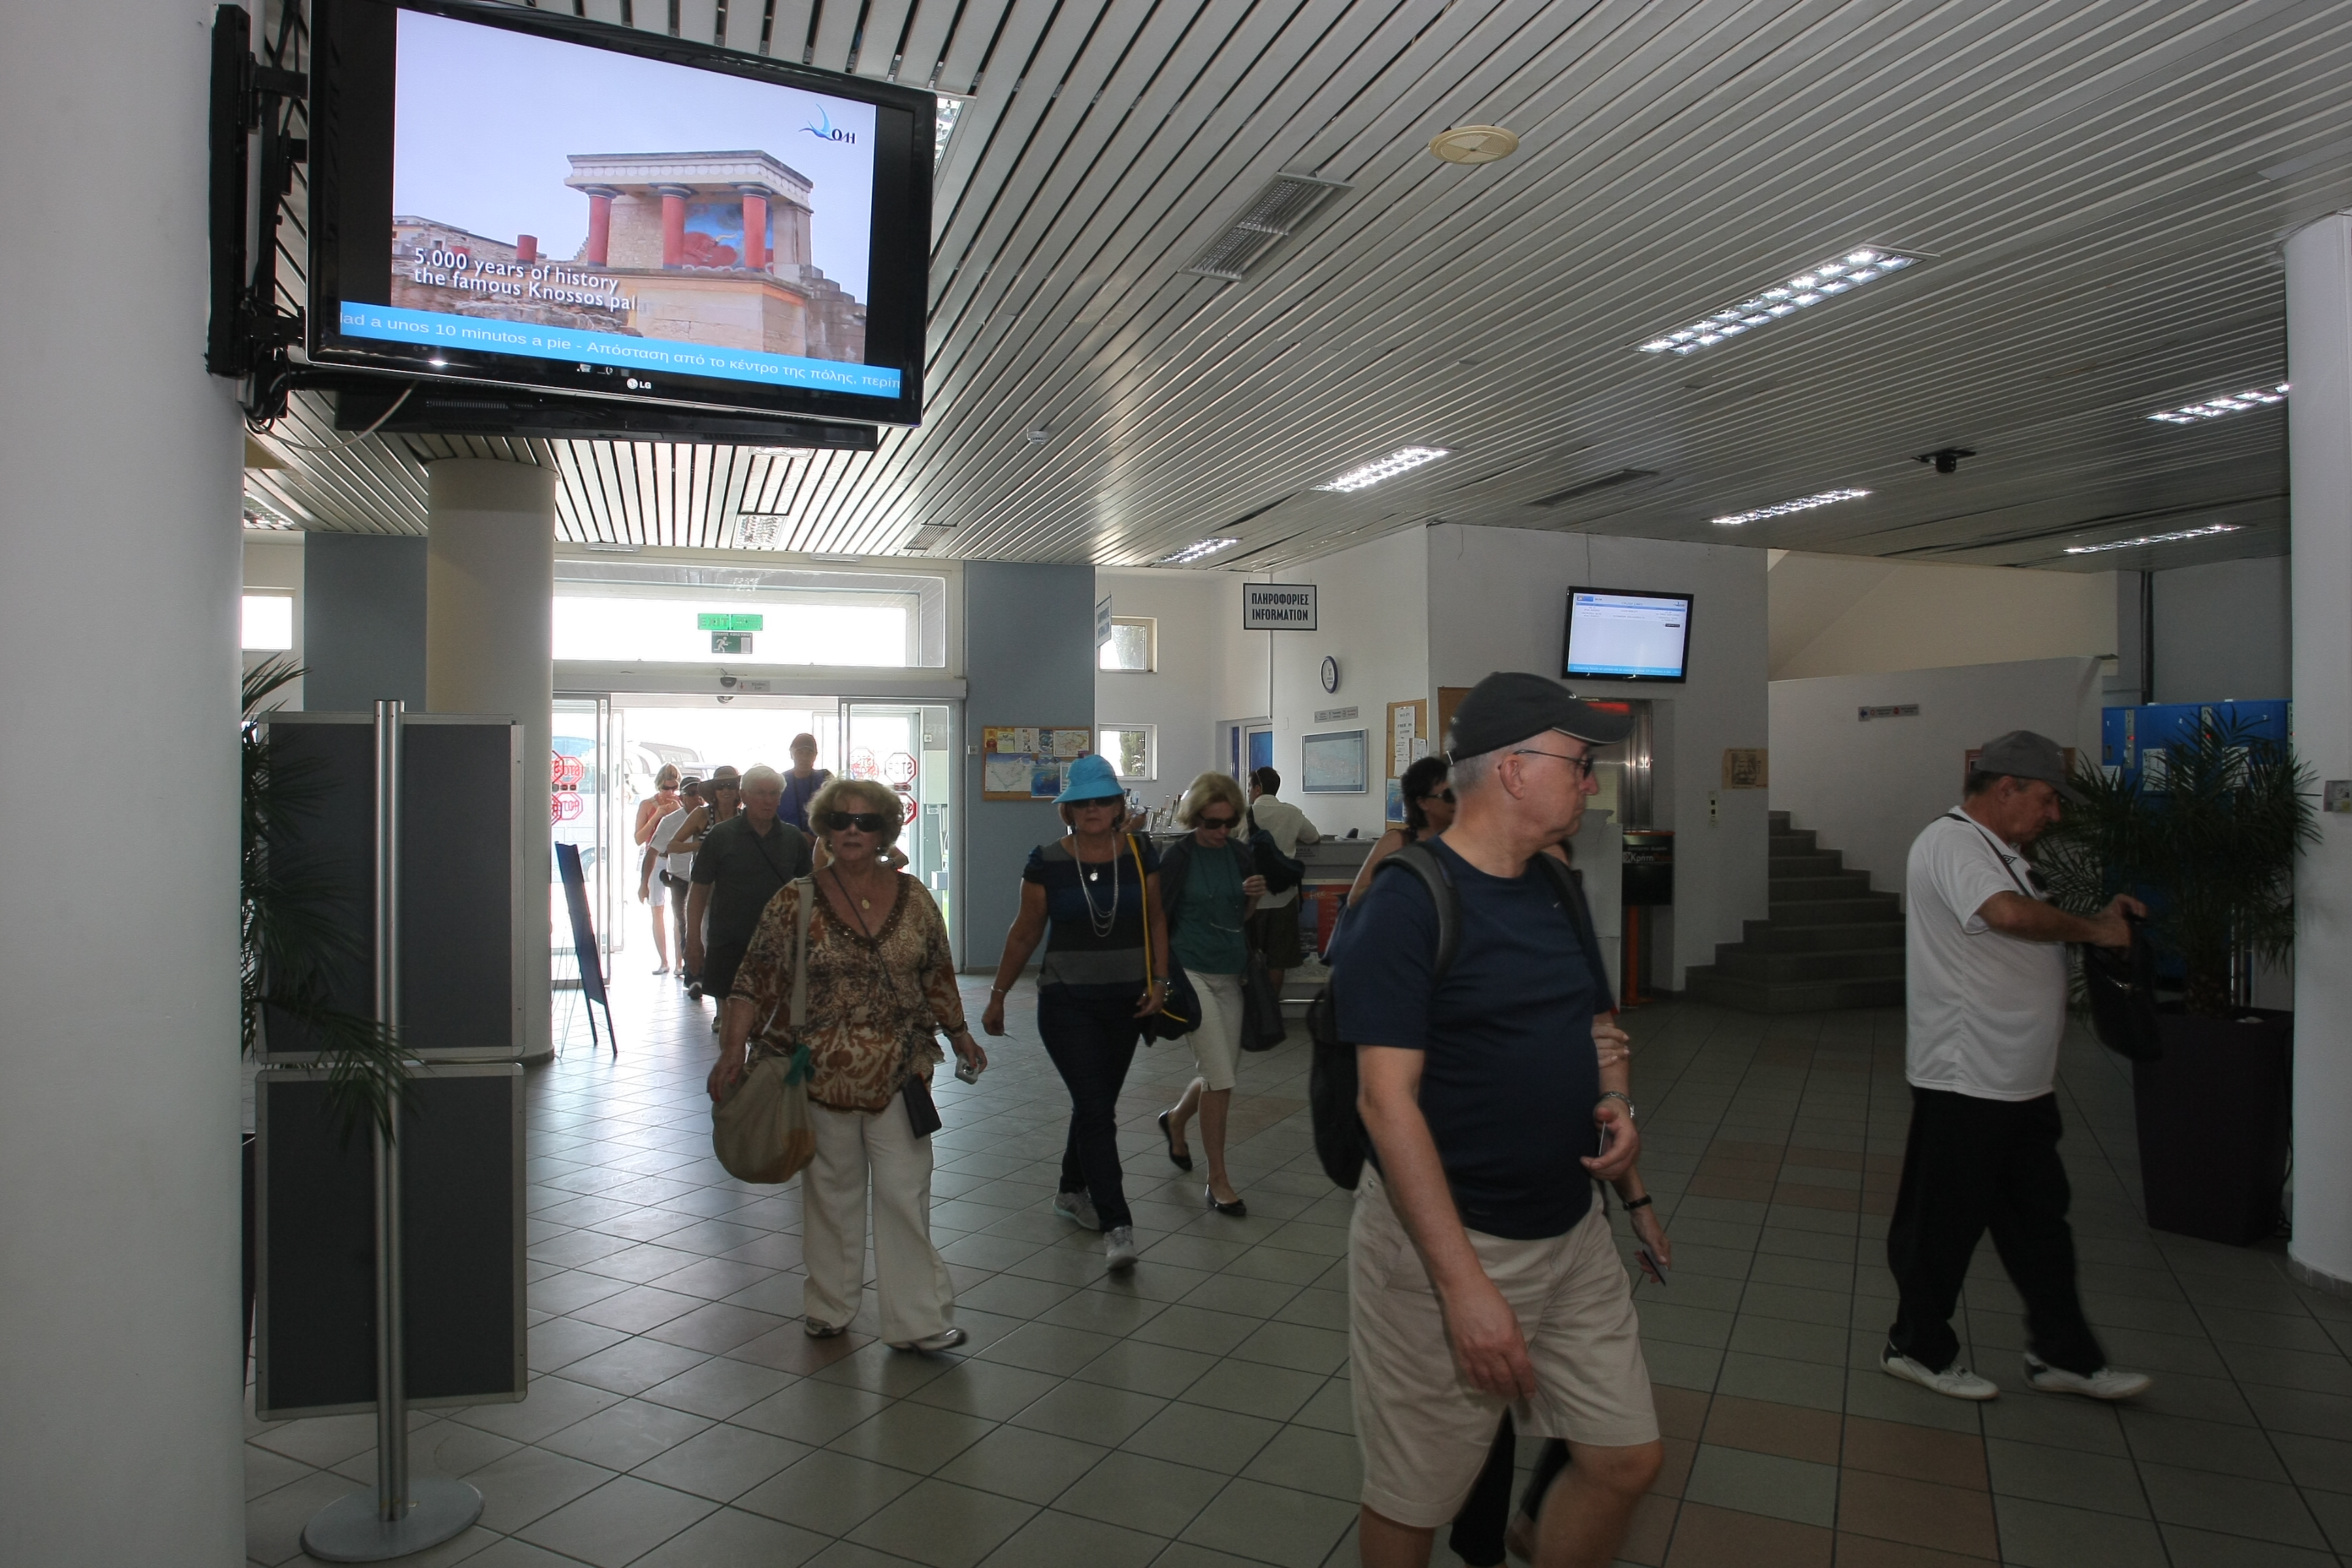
x,y
1615,634
511,195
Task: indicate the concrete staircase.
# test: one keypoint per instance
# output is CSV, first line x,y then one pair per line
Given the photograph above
x,y
1830,940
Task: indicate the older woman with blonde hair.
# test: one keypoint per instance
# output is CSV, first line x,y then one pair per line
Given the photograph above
x,y
1208,885
881,985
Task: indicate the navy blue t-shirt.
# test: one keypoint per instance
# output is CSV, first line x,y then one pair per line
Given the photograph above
x,y
1081,896
1510,1076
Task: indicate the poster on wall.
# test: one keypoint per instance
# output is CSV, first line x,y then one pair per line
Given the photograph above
x,y
1407,734
1334,764
1029,762
1747,768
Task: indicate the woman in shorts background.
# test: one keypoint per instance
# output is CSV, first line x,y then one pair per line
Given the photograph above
x,y
1208,884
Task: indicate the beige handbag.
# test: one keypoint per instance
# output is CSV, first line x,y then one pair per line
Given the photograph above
x,y
762,1131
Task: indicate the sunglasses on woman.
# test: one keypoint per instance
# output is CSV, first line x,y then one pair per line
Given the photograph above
x,y
1218,823
864,821
1444,795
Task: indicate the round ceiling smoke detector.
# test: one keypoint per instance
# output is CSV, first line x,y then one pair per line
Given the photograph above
x,y
1474,144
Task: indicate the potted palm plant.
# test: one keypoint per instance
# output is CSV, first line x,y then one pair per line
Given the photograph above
x,y
296,936
2208,841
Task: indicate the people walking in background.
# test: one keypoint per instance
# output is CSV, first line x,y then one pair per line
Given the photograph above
x,y
1274,924
802,780
743,862
1092,896
1209,886
1986,978
1482,1269
1428,812
881,985
675,868
653,885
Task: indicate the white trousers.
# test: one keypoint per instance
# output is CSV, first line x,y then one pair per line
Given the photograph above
x,y
1217,1043
917,1299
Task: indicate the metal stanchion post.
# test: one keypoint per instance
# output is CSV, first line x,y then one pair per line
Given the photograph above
x,y
400,1516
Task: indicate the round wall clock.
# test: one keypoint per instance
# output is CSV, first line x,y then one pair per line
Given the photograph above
x,y
1330,673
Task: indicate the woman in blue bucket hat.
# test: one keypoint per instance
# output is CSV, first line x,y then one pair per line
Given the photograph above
x,y
1092,896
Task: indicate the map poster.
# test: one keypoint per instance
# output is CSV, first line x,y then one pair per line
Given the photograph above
x,y
1030,762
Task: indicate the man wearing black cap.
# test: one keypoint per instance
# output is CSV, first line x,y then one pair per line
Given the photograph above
x,y
1986,977
1482,1273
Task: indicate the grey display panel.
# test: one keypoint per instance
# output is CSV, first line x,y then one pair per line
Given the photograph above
x,y
464,1301
460,874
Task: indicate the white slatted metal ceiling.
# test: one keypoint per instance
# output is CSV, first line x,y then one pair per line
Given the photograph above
x,y
2098,191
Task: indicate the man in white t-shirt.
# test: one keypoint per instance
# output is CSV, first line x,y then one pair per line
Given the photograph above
x,y
1274,923
1986,971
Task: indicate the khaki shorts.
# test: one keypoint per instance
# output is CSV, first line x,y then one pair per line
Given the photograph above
x,y
1424,1431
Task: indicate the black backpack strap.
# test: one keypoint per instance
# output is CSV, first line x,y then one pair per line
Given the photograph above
x,y
1424,863
1580,917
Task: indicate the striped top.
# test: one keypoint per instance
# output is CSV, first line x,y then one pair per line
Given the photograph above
x,y
1084,964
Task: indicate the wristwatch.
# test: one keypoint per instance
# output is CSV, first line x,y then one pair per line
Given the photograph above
x,y
1611,1094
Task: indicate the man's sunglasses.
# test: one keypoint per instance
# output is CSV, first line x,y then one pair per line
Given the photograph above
x,y
864,821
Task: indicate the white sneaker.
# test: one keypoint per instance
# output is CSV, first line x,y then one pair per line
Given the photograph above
x,y
1956,1380
2104,1384
947,1339
1118,1247
1078,1206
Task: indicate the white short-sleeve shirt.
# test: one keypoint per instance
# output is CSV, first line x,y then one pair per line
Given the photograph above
x,y
682,863
1985,1009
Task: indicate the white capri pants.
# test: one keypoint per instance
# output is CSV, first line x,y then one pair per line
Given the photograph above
x,y
917,1299
1217,1043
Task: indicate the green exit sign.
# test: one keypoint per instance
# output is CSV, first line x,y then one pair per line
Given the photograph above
x,y
716,623
737,643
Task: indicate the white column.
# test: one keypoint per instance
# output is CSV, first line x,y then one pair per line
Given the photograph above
x,y
119,586
490,627
2320,443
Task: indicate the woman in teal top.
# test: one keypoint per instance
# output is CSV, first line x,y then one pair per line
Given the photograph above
x,y
1208,886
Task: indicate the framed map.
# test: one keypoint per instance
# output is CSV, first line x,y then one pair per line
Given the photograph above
x,y
1337,762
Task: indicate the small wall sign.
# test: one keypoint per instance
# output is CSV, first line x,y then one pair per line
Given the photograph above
x,y
1893,711
1278,607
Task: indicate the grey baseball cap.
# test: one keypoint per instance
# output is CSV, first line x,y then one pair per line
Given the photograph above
x,y
1511,706
2023,755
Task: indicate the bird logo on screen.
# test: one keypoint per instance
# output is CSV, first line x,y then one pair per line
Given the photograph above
x,y
824,130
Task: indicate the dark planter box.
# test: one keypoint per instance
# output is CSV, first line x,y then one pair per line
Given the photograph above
x,y
2213,1119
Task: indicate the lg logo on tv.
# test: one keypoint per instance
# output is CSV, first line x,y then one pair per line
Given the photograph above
x,y
824,130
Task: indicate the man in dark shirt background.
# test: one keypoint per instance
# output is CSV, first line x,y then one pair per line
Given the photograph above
x,y
743,862
1481,1272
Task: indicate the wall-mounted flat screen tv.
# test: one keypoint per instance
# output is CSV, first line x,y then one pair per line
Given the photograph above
x,y
510,195
1616,634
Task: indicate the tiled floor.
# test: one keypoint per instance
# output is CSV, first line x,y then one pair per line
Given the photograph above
x,y
1194,1412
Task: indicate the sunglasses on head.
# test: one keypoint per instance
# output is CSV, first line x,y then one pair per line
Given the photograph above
x,y
864,821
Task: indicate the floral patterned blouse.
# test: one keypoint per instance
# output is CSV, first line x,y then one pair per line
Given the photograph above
x,y
875,1004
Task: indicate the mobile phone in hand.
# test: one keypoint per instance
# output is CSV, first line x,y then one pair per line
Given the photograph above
x,y
1651,1266
967,1070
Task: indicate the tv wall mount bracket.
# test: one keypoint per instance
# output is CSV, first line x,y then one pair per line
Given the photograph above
x,y
249,336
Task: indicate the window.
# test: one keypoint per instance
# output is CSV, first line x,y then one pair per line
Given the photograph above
x,y
1132,749
1134,644
269,622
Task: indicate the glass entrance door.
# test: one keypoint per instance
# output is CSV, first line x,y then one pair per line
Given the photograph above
x,y
582,801
906,746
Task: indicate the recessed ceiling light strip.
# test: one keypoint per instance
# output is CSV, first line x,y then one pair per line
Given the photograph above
x,y
1199,550
1403,459
1802,503
2216,407
2205,532
1840,274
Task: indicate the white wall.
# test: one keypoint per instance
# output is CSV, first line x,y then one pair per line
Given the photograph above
x,y
1182,697
2223,631
1868,787
1498,600
1838,615
1372,612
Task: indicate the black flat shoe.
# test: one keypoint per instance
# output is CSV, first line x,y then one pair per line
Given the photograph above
x,y
1182,1161
1236,1208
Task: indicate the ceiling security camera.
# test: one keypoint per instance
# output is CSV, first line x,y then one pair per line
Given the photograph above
x,y
1947,459
727,680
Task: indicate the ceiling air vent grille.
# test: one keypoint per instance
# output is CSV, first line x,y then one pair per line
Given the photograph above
x,y
1591,487
1288,201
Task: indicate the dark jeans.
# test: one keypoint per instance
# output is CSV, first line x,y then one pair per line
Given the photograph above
x,y
1973,1165
1092,1043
